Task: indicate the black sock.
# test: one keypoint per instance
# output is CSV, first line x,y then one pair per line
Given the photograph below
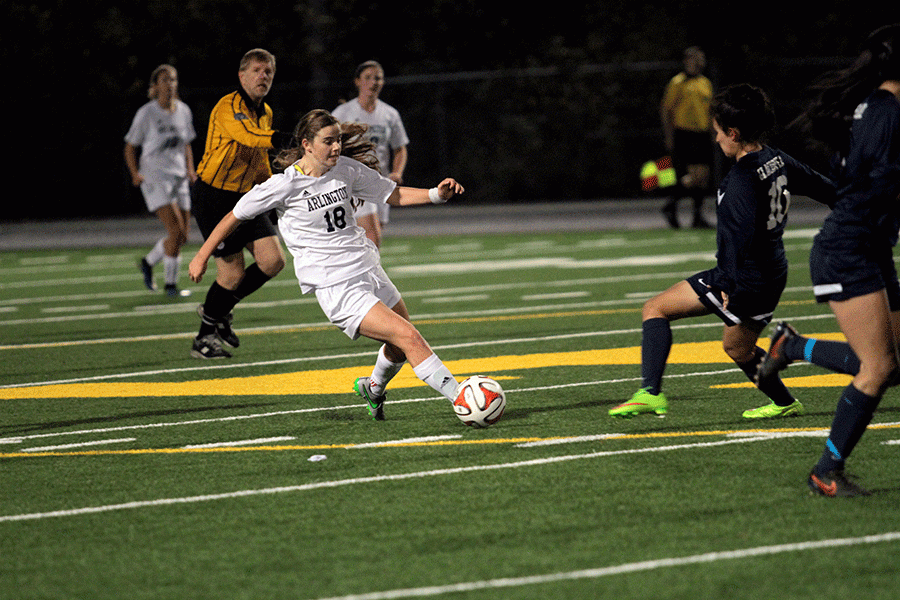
x,y
219,302
771,387
253,279
851,418
656,342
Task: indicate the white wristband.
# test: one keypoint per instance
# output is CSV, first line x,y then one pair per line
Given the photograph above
x,y
435,196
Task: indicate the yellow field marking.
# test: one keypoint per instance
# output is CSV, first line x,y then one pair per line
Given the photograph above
x,y
421,444
336,381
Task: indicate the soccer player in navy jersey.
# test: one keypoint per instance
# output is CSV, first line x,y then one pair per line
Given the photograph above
x,y
745,286
857,116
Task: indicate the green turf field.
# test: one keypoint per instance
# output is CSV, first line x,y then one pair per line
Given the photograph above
x,y
132,471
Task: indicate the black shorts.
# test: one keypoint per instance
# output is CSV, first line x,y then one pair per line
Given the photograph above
x,y
753,309
210,204
853,271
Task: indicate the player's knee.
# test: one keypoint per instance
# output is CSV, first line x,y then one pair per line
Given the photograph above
x,y
739,353
271,265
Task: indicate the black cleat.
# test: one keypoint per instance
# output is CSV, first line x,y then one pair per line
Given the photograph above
x,y
209,346
835,484
775,359
223,327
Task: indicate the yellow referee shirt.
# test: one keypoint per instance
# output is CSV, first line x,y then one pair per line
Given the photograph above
x,y
236,155
687,100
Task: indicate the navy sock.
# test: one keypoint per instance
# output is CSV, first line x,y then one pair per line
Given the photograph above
x,y
656,342
771,387
851,418
834,356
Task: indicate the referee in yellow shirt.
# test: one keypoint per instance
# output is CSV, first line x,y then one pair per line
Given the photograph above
x,y
687,125
236,158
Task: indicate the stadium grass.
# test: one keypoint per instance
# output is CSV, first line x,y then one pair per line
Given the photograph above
x,y
155,517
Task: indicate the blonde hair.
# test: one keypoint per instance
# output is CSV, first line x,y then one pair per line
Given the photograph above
x,y
152,90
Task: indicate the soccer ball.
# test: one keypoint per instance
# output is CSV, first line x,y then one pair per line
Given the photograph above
x,y
480,401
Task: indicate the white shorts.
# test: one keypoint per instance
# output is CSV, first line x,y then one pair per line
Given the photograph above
x,y
166,189
346,303
374,208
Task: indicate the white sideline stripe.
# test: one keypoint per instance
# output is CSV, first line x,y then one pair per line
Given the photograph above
x,y
284,438
77,445
558,296
360,480
635,567
416,440
891,443
572,440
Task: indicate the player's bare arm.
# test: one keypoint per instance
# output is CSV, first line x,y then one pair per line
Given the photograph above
x,y
408,196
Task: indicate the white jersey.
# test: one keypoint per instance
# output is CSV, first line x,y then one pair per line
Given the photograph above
x,y
386,129
316,219
162,136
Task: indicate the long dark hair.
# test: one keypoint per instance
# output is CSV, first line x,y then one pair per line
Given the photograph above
x,y
746,108
827,120
353,141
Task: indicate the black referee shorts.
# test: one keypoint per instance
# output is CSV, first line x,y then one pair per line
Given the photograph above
x,y
210,204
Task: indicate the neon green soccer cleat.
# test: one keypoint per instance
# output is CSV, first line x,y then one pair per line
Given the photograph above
x,y
643,402
374,403
772,411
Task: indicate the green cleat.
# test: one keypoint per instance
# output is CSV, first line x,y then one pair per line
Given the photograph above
x,y
643,402
772,411
374,403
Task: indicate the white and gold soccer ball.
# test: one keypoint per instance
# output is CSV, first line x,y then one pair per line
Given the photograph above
x,y
480,401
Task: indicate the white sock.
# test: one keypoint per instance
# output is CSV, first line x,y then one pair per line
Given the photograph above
x,y
383,372
170,266
433,372
156,255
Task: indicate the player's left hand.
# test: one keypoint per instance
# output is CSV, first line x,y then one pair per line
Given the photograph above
x,y
449,188
196,269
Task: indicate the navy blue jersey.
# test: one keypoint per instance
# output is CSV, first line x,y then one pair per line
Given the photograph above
x,y
867,210
752,208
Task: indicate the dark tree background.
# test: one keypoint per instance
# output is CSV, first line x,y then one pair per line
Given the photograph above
x,y
519,104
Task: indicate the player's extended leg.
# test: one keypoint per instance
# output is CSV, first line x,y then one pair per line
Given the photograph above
x,y
678,302
868,325
787,345
739,343
402,339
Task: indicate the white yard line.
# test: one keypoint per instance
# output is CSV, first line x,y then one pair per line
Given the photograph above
x,y
139,504
622,569
77,445
256,442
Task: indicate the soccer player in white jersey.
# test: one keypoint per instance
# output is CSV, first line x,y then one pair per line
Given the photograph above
x,y
327,169
385,130
163,129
